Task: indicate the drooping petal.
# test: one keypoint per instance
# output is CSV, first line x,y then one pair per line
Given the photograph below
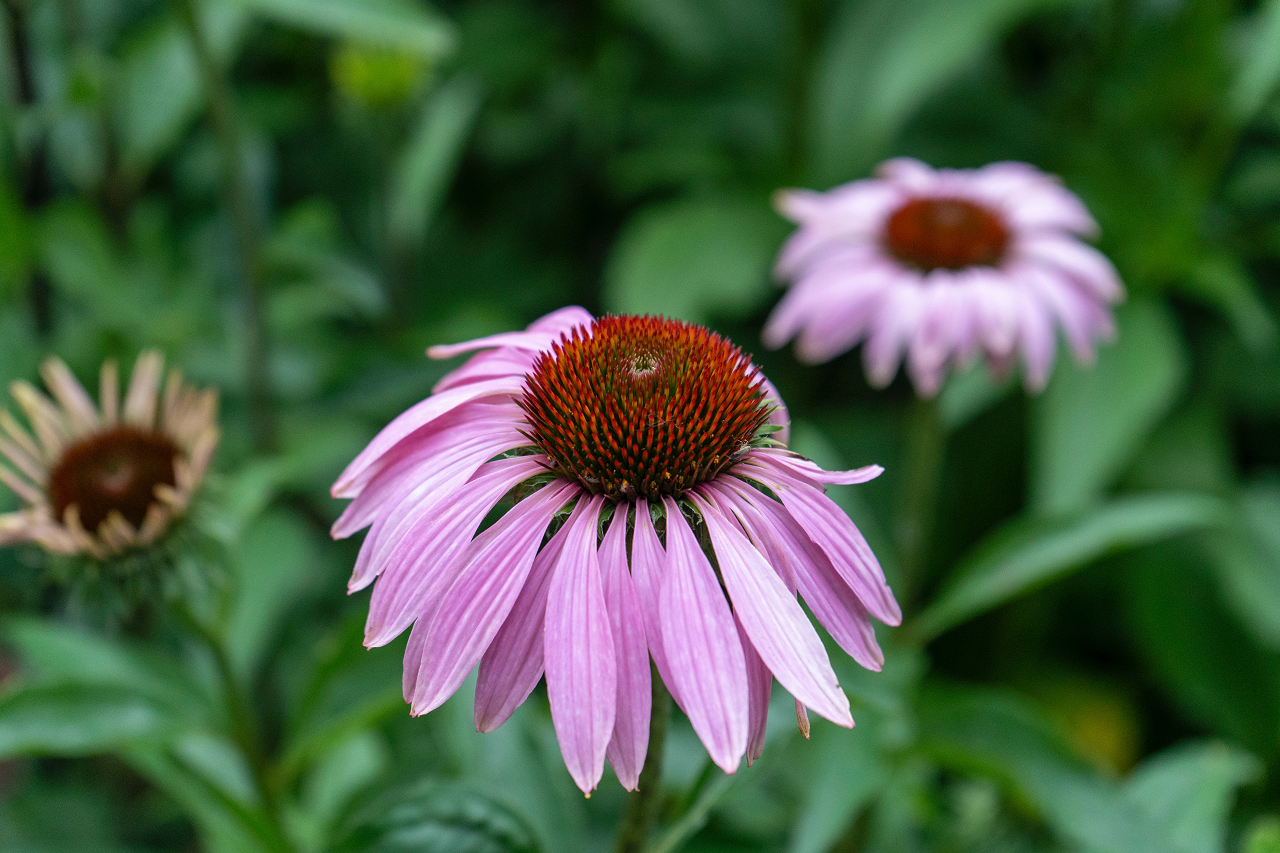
x,y
802,467
759,686
475,606
703,651
513,663
579,652
434,459
540,334
356,475
773,619
790,550
68,391
630,741
647,562
418,573
833,532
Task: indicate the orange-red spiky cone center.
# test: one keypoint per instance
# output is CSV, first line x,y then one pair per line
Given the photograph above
x,y
643,406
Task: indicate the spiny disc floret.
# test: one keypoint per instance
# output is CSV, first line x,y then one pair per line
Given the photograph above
x,y
643,406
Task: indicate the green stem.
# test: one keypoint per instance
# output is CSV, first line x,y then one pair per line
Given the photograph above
x,y
244,728
924,450
239,201
642,804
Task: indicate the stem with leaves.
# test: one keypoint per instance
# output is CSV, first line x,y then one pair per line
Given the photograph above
x,y
238,197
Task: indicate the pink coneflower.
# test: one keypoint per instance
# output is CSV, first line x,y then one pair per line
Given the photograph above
x,y
635,449
103,479
943,265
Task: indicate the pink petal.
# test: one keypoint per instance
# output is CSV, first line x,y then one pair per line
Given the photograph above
x,y
773,619
475,606
582,676
833,532
802,467
562,320
512,665
790,551
353,479
1086,265
702,646
540,334
759,686
647,562
507,361
630,741
434,459
418,571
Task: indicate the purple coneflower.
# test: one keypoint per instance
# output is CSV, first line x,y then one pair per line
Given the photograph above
x,y
102,479
943,265
637,451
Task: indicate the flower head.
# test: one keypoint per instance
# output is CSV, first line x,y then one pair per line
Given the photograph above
x,y
943,265
616,447
103,479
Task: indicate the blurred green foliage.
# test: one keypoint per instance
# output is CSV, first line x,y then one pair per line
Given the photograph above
x,y
1091,660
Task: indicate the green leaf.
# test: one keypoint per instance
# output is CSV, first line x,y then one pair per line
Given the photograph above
x,y
847,772
159,91
226,824
1188,790
277,558
1091,420
882,59
692,258
55,653
1263,836
1260,70
67,719
391,23
431,817
430,158
1247,560
996,735
1218,674
1030,552
1222,281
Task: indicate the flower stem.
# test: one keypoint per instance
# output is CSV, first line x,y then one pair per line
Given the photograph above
x,y
238,197
642,803
924,450
244,728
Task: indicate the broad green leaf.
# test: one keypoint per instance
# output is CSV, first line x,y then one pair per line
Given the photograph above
x,y
55,653
277,558
1091,420
1030,552
1263,836
391,23
1206,661
847,772
996,735
430,157
67,719
1260,67
226,824
881,59
159,91
1188,790
342,772
1223,282
432,817
693,258
1247,559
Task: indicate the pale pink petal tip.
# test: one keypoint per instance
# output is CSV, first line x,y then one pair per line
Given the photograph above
x,y
950,296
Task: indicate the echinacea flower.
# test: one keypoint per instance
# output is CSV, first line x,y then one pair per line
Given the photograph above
x,y
943,265
621,441
103,479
